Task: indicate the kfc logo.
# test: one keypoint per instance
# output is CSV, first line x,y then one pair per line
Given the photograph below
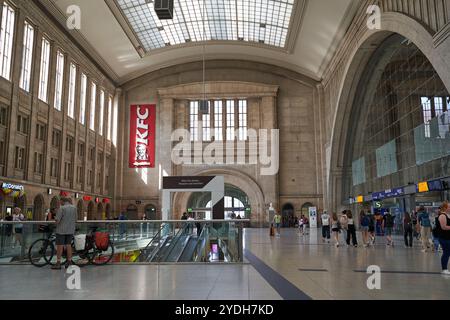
x,y
142,136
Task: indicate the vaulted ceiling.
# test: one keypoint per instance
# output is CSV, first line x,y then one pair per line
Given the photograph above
x,y
109,34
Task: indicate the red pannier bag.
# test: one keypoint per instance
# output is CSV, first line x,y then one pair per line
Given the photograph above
x,y
102,240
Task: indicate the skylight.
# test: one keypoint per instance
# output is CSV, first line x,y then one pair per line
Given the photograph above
x,y
258,21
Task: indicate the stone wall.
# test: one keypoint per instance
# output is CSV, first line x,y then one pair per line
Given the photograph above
x,y
277,98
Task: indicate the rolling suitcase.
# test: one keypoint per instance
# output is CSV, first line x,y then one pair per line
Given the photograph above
x,y
272,230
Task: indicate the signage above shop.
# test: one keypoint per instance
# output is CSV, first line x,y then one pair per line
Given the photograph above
x,y
359,199
87,198
105,200
390,193
64,193
14,187
422,187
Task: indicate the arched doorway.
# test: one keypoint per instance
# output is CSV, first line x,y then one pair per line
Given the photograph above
x,y
80,210
236,203
132,212
2,204
54,203
38,208
305,209
100,212
91,211
108,211
287,215
150,212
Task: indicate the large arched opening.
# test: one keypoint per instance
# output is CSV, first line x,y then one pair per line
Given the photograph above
x,y
257,211
20,202
100,212
132,212
55,203
354,73
108,211
150,212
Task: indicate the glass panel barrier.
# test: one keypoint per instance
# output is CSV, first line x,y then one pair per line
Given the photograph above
x,y
130,242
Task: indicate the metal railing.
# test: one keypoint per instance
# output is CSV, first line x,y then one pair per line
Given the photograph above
x,y
139,241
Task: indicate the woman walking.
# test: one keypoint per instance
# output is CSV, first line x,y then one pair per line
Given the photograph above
x,y
364,222
408,230
351,229
335,228
443,233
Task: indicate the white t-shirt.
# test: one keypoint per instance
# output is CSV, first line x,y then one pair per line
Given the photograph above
x,y
325,219
350,221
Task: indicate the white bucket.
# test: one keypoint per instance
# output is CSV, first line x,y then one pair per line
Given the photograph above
x,y
80,242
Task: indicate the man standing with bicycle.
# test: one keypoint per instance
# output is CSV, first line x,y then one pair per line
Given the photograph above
x,y
66,219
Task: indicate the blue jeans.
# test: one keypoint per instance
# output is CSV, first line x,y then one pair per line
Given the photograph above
x,y
445,244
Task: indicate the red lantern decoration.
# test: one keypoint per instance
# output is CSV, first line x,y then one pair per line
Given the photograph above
x,y
64,193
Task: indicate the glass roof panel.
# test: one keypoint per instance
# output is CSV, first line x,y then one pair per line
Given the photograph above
x,y
258,21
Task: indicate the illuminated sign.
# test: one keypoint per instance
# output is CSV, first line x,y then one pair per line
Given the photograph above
x,y
390,193
359,199
15,187
423,187
142,136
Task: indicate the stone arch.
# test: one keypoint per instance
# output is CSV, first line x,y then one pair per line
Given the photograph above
x,y
80,209
288,214
108,211
392,23
150,212
259,216
91,211
39,208
132,212
99,211
55,202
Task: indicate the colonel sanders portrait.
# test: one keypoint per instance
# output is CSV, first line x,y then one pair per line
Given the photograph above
x,y
141,153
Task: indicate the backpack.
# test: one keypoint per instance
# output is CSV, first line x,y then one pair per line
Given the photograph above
x,y
102,240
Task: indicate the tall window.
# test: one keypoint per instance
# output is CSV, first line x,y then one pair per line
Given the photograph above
x,y
38,162
83,97
54,167
193,117
115,122
230,120
20,158
3,116
6,41
59,80
427,115
72,87
438,106
218,121
102,110
27,57
206,124
242,119
45,64
109,118
93,101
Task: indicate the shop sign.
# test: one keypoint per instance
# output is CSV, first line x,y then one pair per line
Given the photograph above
x,y
377,204
105,200
422,187
64,193
390,193
142,136
14,190
87,198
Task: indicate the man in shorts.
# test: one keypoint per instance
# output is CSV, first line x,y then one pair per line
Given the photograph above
x,y
388,225
66,219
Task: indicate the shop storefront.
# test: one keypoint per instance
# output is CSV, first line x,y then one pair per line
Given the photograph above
x,y
13,195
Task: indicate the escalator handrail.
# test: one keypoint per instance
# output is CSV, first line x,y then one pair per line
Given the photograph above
x,y
201,242
175,240
157,235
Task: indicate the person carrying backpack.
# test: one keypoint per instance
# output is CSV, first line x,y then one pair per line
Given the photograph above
x,y
423,218
388,225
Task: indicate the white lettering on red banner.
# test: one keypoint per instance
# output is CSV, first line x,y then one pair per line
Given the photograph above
x,y
142,136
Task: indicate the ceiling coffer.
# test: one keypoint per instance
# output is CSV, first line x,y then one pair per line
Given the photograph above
x,y
164,9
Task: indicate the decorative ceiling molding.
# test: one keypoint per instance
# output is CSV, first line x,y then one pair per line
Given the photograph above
x,y
219,90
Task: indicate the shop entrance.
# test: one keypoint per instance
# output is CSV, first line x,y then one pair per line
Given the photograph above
x,y
287,214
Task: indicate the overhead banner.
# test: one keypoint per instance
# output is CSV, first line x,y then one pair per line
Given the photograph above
x,y
142,136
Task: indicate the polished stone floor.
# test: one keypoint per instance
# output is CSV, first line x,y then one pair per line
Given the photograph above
x,y
289,267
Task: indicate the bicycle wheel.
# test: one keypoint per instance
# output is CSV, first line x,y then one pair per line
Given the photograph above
x,y
41,252
101,257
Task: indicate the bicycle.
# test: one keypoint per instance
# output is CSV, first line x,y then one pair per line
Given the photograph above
x,y
42,252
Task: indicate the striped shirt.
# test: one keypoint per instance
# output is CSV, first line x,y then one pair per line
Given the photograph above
x,y
66,219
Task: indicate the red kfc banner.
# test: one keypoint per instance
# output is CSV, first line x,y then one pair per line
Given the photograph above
x,y
142,136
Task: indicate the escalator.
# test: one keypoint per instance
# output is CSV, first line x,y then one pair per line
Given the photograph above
x,y
189,250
